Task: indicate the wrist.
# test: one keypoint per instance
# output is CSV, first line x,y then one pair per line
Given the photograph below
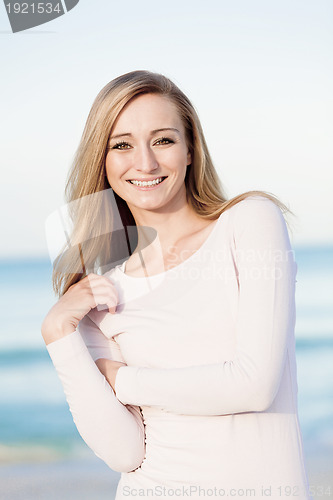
x,y
52,332
109,369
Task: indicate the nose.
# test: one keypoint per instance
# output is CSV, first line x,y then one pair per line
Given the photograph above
x,y
146,160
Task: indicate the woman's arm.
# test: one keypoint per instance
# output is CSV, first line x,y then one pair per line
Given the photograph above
x,y
265,321
114,432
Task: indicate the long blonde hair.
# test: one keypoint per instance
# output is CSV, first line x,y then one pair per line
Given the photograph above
x,y
92,243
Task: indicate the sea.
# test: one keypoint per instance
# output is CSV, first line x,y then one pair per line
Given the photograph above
x,y
34,414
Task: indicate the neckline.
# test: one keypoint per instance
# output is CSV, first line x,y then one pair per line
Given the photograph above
x,y
122,266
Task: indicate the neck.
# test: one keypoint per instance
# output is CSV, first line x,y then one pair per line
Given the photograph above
x,y
161,231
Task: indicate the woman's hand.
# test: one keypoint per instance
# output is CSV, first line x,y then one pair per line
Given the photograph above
x,y
109,369
80,298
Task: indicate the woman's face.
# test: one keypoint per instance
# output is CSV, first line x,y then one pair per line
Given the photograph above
x,y
148,143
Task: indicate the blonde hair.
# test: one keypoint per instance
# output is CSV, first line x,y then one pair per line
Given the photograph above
x,y
91,245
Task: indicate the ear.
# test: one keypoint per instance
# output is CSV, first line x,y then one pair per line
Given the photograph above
x,y
189,158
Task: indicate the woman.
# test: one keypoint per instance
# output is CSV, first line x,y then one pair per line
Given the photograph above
x,y
178,362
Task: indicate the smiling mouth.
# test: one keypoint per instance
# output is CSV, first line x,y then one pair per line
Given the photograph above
x,y
147,183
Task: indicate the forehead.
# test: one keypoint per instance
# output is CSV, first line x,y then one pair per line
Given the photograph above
x,y
148,111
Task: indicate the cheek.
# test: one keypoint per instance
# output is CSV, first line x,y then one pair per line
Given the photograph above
x,y
174,158
114,168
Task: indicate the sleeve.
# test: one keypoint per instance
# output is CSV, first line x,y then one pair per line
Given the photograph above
x,y
113,431
266,271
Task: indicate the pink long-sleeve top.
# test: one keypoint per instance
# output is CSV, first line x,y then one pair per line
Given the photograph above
x,y
208,398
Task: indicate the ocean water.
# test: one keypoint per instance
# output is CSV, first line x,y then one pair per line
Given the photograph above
x,y
33,409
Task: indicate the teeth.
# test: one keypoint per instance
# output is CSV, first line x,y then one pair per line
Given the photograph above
x,y
149,183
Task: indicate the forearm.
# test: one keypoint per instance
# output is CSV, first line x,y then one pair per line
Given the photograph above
x,y
112,431
219,389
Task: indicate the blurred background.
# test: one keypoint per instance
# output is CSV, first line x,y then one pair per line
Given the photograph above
x,y
260,76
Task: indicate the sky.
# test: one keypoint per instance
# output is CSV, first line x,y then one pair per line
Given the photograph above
x,y
259,73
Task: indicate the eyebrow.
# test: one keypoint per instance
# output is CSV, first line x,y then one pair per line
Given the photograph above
x,y
128,134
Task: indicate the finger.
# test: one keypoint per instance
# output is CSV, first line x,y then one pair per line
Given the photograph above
x,y
90,277
93,277
104,301
110,308
100,281
104,289
98,291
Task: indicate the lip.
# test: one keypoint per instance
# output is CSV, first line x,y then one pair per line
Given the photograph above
x,y
147,188
147,180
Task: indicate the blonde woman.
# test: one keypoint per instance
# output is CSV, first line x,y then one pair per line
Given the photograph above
x,y
177,353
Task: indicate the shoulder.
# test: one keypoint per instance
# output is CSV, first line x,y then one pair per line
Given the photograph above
x,y
256,209
259,216
255,204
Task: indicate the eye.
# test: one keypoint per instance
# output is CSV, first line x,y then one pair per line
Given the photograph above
x,y
121,145
164,140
